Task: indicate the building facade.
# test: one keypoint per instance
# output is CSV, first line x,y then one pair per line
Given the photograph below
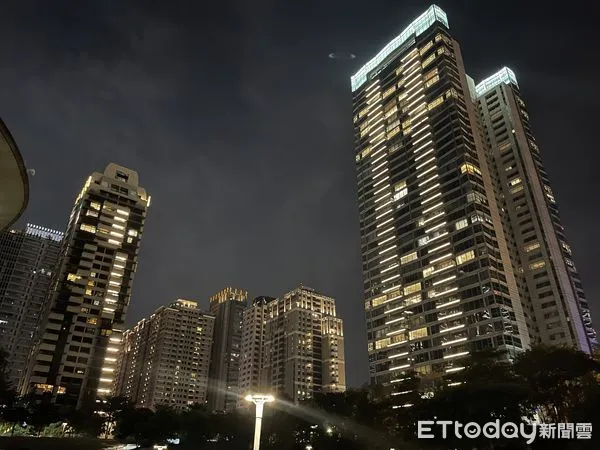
x,y
227,306
438,281
453,202
28,259
76,355
549,284
303,346
254,321
165,358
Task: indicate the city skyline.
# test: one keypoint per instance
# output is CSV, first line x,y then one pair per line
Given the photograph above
x,y
324,252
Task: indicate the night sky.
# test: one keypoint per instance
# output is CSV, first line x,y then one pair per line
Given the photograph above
x,y
240,127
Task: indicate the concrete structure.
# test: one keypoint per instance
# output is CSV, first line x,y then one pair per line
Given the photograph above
x,y
227,306
14,182
165,358
253,344
462,246
28,259
549,284
303,346
438,280
76,355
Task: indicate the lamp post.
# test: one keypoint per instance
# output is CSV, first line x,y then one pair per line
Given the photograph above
x,y
259,400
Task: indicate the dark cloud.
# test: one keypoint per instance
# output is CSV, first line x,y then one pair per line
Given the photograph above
x,y
240,127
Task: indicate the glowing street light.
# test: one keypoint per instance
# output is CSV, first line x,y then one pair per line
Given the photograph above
x,y
259,400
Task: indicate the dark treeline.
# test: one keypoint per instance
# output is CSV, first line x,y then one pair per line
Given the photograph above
x,y
555,385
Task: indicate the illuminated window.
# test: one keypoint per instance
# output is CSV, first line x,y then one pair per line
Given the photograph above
x,y
516,189
91,213
378,301
431,74
428,271
514,181
537,265
412,288
363,112
432,81
549,194
566,247
408,258
132,232
382,343
391,112
469,168
400,190
73,277
426,47
464,257
451,93
95,205
532,247
92,321
423,241
462,224
428,61
393,132
85,310
88,292
88,228
437,102
417,334
389,92
414,299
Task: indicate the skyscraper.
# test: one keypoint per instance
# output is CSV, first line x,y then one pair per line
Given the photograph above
x,y
165,358
438,280
462,246
254,322
549,284
76,355
227,306
28,258
303,350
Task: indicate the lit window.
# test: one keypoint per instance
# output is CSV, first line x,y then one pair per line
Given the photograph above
x,y
426,47
92,321
408,258
437,102
389,92
452,93
393,132
73,277
132,232
464,257
431,74
432,81
400,190
462,224
428,271
537,265
88,228
423,241
566,247
95,205
411,288
428,61
391,112
514,181
412,300
382,343
417,334
516,189
88,292
532,247
91,213
378,301
363,112
469,168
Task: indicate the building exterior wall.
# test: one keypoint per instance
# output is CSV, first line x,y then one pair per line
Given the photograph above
x,y
28,259
227,306
76,355
165,358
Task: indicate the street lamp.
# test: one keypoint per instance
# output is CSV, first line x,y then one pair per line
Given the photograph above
x,y
259,400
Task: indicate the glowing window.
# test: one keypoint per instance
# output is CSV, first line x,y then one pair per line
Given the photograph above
x,y
537,265
464,257
88,228
408,258
412,288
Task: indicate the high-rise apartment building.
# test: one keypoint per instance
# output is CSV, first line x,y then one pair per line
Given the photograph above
x,y
438,281
28,258
447,265
549,284
165,358
227,306
303,346
76,355
254,322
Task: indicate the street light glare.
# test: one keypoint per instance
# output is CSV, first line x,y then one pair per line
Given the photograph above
x,y
260,398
